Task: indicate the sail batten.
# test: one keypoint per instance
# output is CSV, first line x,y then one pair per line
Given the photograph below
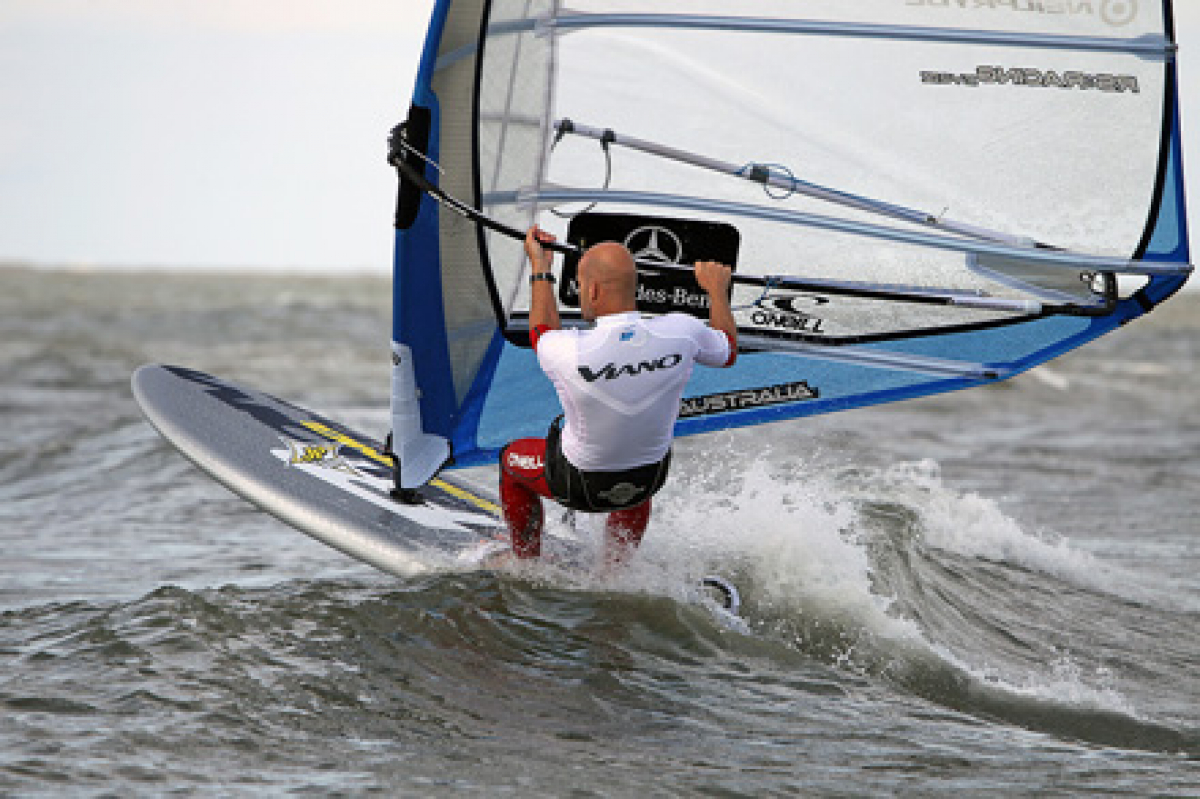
x,y
1146,46
882,359
1048,257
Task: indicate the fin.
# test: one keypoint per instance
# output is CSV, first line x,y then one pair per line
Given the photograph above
x,y
725,592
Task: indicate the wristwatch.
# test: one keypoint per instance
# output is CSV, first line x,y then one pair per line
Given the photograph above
x,y
546,276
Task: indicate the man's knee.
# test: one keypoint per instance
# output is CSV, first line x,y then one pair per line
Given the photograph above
x,y
633,520
522,510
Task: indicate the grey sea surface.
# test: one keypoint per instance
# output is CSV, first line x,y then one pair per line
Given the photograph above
x,y
993,592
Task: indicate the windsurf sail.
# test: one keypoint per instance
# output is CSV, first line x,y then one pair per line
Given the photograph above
x,y
917,196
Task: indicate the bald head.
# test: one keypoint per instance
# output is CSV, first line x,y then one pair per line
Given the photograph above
x,y
608,280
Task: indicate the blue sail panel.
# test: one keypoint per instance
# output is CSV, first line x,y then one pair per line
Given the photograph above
x,y
520,401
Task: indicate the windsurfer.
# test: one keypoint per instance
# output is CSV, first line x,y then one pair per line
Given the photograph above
x,y
620,384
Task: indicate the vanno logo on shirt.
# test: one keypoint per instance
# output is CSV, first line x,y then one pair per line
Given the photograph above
x,y
611,371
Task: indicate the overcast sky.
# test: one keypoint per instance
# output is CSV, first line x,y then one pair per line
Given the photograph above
x,y
230,133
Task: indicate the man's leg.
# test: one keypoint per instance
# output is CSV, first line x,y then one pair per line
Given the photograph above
x,y
624,529
522,483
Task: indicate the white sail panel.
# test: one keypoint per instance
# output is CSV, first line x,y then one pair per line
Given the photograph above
x,y
517,79
1013,138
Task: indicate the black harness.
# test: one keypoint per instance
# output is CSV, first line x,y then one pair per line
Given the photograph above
x,y
599,492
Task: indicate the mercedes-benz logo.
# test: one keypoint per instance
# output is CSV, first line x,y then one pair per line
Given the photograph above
x,y
1119,13
655,243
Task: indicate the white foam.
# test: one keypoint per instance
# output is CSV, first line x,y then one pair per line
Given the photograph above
x,y
799,543
795,541
974,526
792,542
1064,683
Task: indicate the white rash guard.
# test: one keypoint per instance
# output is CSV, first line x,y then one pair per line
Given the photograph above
x,y
620,384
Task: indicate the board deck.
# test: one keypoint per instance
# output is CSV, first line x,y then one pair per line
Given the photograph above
x,y
333,482
315,474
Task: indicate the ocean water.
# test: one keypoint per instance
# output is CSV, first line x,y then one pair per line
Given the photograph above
x,y
987,593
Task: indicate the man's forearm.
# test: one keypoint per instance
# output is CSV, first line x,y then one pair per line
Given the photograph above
x,y
543,310
543,305
715,278
720,317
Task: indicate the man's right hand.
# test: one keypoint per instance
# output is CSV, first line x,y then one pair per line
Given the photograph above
x,y
540,259
713,277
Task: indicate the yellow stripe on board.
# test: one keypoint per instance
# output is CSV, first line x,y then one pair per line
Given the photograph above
x,y
463,494
377,456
